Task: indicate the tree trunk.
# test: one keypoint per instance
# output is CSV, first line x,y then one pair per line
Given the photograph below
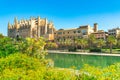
x,y
101,49
90,44
82,48
110,48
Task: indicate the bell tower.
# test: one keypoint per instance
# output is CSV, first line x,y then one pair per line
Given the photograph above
x,y
95,27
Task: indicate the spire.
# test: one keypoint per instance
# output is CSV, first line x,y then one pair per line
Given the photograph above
x,y
51,23
15,21
45,20
9,26
16,25
38,17
39,20
46,26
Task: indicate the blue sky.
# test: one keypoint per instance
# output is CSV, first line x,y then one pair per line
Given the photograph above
x,y
64,13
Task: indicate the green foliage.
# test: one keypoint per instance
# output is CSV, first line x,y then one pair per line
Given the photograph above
x,y
51,45
95,50
33,47
24,60
112,41
67,42
82,42
92,40
60,74
100,43
19,60
22,67
118,43
7,47
72,49
30,46
1,36
118,36
109,73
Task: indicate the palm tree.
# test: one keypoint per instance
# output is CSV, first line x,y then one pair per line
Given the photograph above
x,y
51,45
112,41
118,36
118,43
82,42
100,43
61,42
118,40
92,40
67,42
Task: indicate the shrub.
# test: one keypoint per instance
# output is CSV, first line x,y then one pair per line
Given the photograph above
x,y
7,47
33,47
30,46
72,49
95,50
22,67
20,61
51,45
111,72
59,74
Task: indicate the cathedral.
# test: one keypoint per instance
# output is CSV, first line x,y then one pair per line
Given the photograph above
x,y
34,27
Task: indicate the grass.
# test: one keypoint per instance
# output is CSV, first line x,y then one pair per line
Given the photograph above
x,y
77,60
114,51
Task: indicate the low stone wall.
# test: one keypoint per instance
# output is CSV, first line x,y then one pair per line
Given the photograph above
x,y
83,53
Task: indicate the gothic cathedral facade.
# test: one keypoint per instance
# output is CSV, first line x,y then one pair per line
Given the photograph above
x,y
34,27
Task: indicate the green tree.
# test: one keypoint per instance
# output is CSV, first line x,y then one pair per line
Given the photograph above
x,y
51,45
92,40
118,40
75,42
1,36
61,43
111,41
118,43
100,43
67,43
7,46
118,36
83,43
33,47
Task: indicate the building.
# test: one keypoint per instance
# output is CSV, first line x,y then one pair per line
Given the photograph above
x,y
81,32
34,27
101,34
115,32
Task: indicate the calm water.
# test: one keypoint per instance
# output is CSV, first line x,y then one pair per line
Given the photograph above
x,y
78,60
